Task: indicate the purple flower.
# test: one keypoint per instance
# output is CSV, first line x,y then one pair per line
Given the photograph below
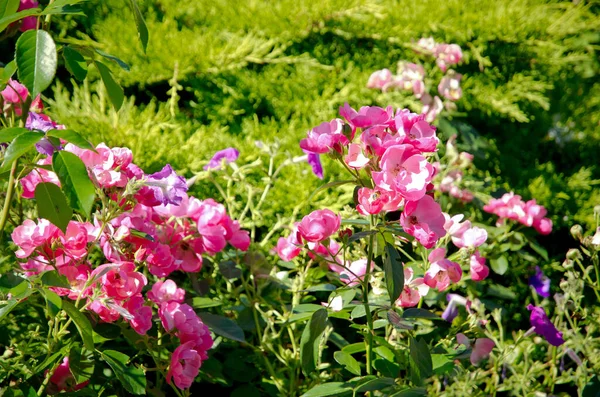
x,y
540,282
544,327
452,310
39,123
314,159
163,187
229,155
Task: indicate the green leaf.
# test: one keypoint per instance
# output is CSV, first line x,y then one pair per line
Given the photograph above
x,y
499,265
131,377
397,321
8,7
19,146
412,392
223,326
75,63
19,293
354,348
387,368
375,384
72,137
420,313
82,323
140,23
7,20
36,58
50,360
421,365
8,134
310,340
441,364
200,302
53,302
52,205
53,279
81,363
328,185
114,59
328,389
115,91
63,7
347,361
75,181
541,251
359,235
7,72
394,272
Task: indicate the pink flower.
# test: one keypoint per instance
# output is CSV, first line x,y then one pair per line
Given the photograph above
x,y
442,271
380,79
287,250
411,78
30,235
185,365
162,187
426,45
367,116
529,214
224,156
373,201
449,87
324,137
404,170
432,107
121,281
355,272
238,238
105,313
414,289
30,181
142,315
16,94
63,380
108,166
210,222
423,220
35,265
28,23
416,131
166,291
355,158
160,261
481,349
447,55
470,238
479,270
319,225
187,253
75,239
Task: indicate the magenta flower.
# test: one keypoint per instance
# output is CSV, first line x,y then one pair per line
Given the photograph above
x,y
540,283
424,221
142,315
355,274
447,55
166,291
479,270
416,131
185,365
62,379
314,160
325,137
28,23
442,271
367,116
319,225
543,326
226,156
122,281
30,181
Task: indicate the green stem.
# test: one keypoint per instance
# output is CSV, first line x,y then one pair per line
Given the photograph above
x,y
9,196
49,374
365,285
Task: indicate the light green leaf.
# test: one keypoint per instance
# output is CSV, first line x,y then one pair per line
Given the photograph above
x,y
8,7
499,265
349,362
53,279
8,134
18,147
7,20
63,7
131,377
82,323
115,91
72,137
140,24
114,59
36,58
310,339
75,63
200,302
394,272
52,205
7,72
53,302
75,182
328,389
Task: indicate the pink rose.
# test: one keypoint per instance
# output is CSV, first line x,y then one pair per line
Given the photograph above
x,y
442,271
319,225
424,220
185,365
479,271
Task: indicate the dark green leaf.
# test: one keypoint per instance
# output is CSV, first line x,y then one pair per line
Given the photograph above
x,y
114,59
310,339
420,313
349,362
397,321
394,272
131,377
223,326
82,323
140,23
75,63
375,384
541,251
36,58
75,181
53,302
359,235
52,205
53,279
81,362
20,292
8,7
421,366
501,291
412,392
8,134
115,91
592,388
387,368
321,287
7,20
106,331
499,265
73,137
59,355
328,389
200,302
19,146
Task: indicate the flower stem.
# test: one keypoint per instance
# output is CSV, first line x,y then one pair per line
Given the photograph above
x,y
9,196
365,285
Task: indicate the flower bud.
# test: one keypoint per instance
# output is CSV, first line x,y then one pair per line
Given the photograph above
x,y
577,232
567,264
347,131
574,254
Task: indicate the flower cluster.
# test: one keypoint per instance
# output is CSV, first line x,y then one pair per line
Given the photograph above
x,y
410,77
147,228
449,176
511,206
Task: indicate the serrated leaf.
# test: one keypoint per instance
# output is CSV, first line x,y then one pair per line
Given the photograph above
x,y
140,24
394,272
115,91
7,20
36,58
349,362
114,59
8,7
328,389
82,323
72,137
52,205
75,181
8,134
223,326
310,339
20,145
131,377
421,365
75,63
81,363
